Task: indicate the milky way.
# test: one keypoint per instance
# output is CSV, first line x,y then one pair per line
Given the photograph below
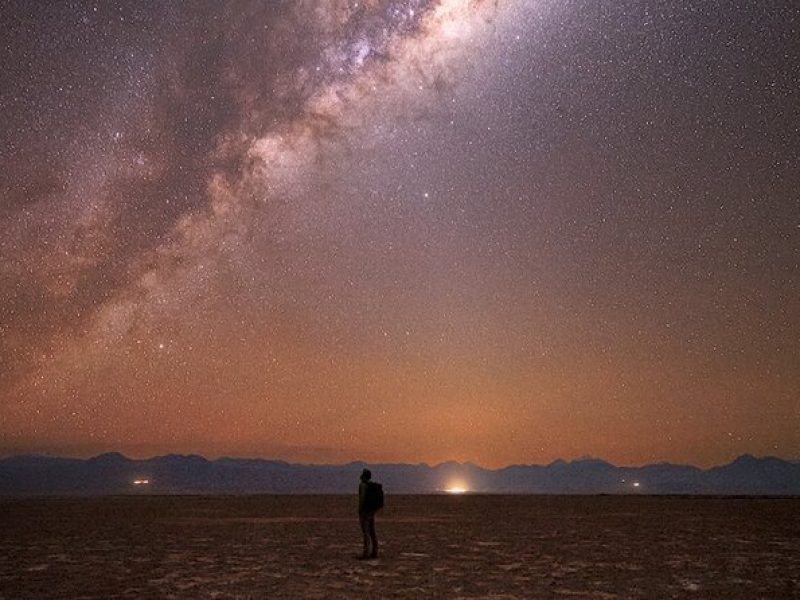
x,y
498,231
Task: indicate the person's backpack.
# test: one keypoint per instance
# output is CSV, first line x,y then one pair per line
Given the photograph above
x,y
373,498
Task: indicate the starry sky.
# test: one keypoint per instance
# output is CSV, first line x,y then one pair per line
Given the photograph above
x,y
498,231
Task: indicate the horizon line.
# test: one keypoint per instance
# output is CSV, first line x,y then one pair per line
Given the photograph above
x,y
581,459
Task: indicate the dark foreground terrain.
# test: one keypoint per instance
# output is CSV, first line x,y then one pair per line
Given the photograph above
x,y
446,546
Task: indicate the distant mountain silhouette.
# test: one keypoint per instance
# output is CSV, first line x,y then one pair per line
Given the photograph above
x,y
113,473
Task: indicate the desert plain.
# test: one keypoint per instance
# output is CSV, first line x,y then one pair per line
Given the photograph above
x,y
447,546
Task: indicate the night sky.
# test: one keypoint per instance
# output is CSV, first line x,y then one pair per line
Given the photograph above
x,y
412,230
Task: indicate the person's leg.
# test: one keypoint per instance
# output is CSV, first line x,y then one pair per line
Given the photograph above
x,y
373,536
364,520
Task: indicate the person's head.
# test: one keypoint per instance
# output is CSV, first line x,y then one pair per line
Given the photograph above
x,y
366,475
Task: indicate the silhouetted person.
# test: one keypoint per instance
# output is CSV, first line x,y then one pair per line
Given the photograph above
x,y
370,501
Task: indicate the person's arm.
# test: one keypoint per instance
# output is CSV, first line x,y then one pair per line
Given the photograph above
x,y
362,494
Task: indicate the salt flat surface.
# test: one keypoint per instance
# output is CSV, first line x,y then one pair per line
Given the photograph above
x,y
433,546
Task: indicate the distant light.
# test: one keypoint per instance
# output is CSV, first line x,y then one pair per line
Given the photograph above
x,y
456,490
636,484
141,481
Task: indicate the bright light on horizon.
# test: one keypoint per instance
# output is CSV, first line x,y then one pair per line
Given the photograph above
x,y
456,486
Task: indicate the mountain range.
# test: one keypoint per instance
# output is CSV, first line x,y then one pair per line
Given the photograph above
x,y
113,473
